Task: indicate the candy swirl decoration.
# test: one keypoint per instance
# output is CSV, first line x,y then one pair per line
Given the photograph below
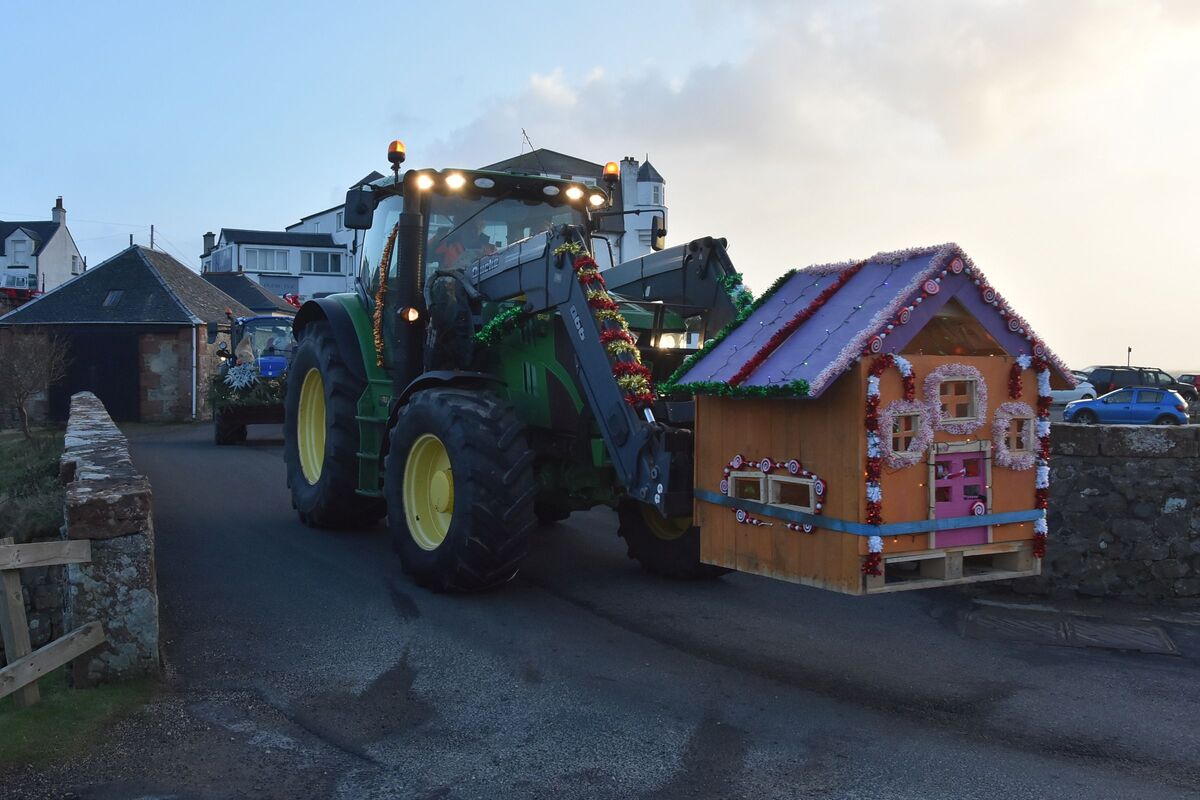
x,y
766,466
1005,414
631,374
933,384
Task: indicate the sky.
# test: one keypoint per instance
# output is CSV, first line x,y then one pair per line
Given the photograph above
x,y
1057,142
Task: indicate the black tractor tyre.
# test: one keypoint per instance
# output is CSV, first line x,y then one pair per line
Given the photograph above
x,y
658,547
332,501
492,485
226,431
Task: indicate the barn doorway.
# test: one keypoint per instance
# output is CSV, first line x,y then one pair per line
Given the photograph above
x,y
106,364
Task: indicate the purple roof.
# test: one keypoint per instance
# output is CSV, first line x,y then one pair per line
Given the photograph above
x,y
856,318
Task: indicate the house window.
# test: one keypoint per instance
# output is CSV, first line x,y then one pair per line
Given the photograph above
x,y
1017,436
904,429
323,263
20,251
656,194
341,220
791,492
746,486
260,260
74,265
957,397
113,297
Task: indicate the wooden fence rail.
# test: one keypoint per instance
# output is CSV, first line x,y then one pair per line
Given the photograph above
x,y
26,666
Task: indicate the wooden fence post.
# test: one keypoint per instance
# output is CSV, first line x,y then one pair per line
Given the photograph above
x,y
15,628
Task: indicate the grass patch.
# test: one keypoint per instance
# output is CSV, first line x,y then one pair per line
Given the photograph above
x,y
31,498
66,721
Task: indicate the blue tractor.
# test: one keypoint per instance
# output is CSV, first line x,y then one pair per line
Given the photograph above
x,y
250,383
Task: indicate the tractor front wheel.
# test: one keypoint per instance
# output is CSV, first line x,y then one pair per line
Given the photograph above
x,y
320,435
460,490
668,547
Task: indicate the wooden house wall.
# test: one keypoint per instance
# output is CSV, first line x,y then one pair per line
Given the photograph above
x,y
906,491
828,437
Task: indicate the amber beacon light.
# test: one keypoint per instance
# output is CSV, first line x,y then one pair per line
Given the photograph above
x,y
612,172
396,153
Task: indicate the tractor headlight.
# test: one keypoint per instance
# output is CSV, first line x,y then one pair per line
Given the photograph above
x,y
455,180
424,182
574,192
596,200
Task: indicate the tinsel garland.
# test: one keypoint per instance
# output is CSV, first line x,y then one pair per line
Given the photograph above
x,y
797,388
499,326
874,469
632,376
381,293
737,291
922,436
933,389
873,564
767,466
790,327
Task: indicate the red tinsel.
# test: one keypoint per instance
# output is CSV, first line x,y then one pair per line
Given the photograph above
x,y
880,365
789,327
1039,545
873,564
1041,498
602,303
613,334
630,368
1014,381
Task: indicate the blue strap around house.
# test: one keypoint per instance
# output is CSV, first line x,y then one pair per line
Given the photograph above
x,y
860,529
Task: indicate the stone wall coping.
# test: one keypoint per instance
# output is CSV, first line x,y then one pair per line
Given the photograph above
x,y
106,496
1125,441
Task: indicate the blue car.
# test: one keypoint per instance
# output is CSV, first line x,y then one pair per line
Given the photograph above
x,y
1134,405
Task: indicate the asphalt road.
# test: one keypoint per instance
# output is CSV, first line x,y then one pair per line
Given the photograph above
x,y
303,664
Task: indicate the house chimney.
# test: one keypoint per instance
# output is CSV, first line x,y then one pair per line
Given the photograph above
x,y
210,241
58,214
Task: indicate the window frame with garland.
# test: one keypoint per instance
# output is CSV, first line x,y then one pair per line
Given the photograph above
x,y
971,395
774,491
748,475
902,434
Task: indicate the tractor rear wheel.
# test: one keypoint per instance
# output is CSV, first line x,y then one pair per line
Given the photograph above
x,y
668,547
226,430
460,490
320,435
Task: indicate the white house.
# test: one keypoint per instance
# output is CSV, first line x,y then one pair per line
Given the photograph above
x,y
38,256
305,264
641,187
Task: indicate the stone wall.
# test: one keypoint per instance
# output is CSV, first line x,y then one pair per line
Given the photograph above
x,y
1124,514
165,370
109,503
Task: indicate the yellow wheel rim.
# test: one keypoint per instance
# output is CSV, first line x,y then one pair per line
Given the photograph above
x,y
310,426
428,492
667,529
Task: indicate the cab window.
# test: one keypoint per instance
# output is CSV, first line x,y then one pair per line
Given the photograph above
x,y
387,214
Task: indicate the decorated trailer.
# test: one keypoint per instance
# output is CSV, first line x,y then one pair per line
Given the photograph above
x,y
875,426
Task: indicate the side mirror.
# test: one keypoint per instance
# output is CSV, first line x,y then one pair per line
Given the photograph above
x,y
658,232
360,208
212,332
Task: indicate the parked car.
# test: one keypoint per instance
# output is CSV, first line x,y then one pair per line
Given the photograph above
x,y
1082,391
1190,377
1107,377
1136,405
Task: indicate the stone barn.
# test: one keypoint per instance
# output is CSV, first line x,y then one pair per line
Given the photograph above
x,y
136,326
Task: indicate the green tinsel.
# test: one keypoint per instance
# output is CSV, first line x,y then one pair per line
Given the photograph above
x,y
499,326
742,315
722,389
573,248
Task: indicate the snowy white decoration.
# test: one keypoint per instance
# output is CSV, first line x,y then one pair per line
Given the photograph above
x,y
1044,383
874,493
1024,361
873,450
933,398
1043,428
873,386
1043,477
243,376
875,544
1005,414
1040,527
922,436
902,364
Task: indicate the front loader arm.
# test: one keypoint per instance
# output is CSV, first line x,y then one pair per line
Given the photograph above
x,y
636,445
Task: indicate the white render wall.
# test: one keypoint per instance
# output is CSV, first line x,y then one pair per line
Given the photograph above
x,y
307,285
51,267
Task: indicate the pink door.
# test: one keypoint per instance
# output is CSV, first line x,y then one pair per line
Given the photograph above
x,y
960,491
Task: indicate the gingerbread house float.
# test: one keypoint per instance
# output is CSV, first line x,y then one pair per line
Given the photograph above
x,y
875,426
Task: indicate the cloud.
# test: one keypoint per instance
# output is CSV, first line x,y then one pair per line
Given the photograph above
x,y
1052,140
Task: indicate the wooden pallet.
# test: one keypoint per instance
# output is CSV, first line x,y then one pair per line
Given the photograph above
x,y
932,568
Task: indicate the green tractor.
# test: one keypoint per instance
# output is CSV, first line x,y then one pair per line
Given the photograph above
x,y
485,376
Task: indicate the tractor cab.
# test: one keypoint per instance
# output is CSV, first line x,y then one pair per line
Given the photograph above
x,y
265,341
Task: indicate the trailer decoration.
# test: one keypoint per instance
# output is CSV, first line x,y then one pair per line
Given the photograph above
x,y
766,466
1041,530
1005,456
875,421
873,564
380,294
242,386
242,376
979,397
733,286
1022,363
